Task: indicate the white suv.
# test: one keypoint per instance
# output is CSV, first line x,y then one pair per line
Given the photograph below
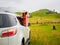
x,y
11,31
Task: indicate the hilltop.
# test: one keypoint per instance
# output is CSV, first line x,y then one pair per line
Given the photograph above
x,y
45,13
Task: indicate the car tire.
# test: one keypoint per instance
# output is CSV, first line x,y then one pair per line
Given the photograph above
x,y
23,42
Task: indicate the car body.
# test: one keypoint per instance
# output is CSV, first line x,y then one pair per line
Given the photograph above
x,y
11,31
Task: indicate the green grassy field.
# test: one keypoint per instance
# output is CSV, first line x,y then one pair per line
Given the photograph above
x,y
43,34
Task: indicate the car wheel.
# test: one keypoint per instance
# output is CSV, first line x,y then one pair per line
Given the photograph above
x,y
23,42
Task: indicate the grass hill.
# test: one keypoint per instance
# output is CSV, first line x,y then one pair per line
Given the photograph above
x,y
45,13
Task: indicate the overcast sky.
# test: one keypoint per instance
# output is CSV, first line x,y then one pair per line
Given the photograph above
x,y
31,5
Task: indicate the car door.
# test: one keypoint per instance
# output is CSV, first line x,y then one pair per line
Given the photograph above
x,y
26,32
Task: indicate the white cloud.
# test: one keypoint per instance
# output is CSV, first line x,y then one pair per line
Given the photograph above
x,y
31,5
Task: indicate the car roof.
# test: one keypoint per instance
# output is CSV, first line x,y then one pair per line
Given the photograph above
x,y
13,14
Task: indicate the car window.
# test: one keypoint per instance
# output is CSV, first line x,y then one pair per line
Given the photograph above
x,y
7,20
20,20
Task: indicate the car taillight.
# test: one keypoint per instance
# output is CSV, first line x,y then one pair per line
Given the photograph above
x,y
9,32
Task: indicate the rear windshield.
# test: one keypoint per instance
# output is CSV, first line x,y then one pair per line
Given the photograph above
x,y
7,20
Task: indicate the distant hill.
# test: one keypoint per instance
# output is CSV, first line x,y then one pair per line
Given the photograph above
x,y
45,13
44,16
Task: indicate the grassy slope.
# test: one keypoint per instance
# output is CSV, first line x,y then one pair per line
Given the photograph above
x,y
43,13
